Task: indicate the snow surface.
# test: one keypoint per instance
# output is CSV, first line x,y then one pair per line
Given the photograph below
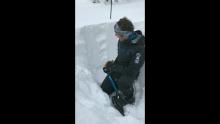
x,y
88,13
95,44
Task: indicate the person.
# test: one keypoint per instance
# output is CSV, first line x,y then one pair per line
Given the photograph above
x,y
125,69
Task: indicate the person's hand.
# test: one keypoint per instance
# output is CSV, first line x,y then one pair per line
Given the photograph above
x,y
108,63
107,66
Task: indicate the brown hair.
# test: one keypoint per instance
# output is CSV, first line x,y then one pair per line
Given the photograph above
x,y
125,24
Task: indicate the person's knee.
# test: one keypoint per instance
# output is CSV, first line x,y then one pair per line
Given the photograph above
x,y
106,87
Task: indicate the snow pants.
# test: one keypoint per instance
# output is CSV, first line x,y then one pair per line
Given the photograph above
x,y
123,83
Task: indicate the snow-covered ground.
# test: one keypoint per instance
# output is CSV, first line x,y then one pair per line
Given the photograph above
x,y
95,44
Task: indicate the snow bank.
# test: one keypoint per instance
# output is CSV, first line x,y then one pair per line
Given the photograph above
x,y
96,44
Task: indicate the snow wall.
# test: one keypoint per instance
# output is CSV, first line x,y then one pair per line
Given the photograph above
x,y
95,45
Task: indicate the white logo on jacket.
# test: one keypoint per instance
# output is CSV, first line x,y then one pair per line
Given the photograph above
x,y
137,59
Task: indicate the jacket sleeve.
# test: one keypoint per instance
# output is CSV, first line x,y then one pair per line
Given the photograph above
x,y
116,67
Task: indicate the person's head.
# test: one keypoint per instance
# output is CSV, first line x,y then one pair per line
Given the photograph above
x,y
123,28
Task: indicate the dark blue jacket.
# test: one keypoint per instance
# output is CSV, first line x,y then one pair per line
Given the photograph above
x,y
131,57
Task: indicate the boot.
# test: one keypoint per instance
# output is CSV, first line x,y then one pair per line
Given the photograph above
x,y
130,100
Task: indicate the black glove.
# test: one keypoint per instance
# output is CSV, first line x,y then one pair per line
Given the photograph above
x,y
107,68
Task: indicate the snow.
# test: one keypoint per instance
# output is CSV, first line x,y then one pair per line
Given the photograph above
x,y
95,44
89,13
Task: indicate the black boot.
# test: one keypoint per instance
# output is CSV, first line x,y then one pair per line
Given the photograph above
x,y
130,100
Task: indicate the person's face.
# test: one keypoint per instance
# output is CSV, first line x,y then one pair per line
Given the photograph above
x,y
120,37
